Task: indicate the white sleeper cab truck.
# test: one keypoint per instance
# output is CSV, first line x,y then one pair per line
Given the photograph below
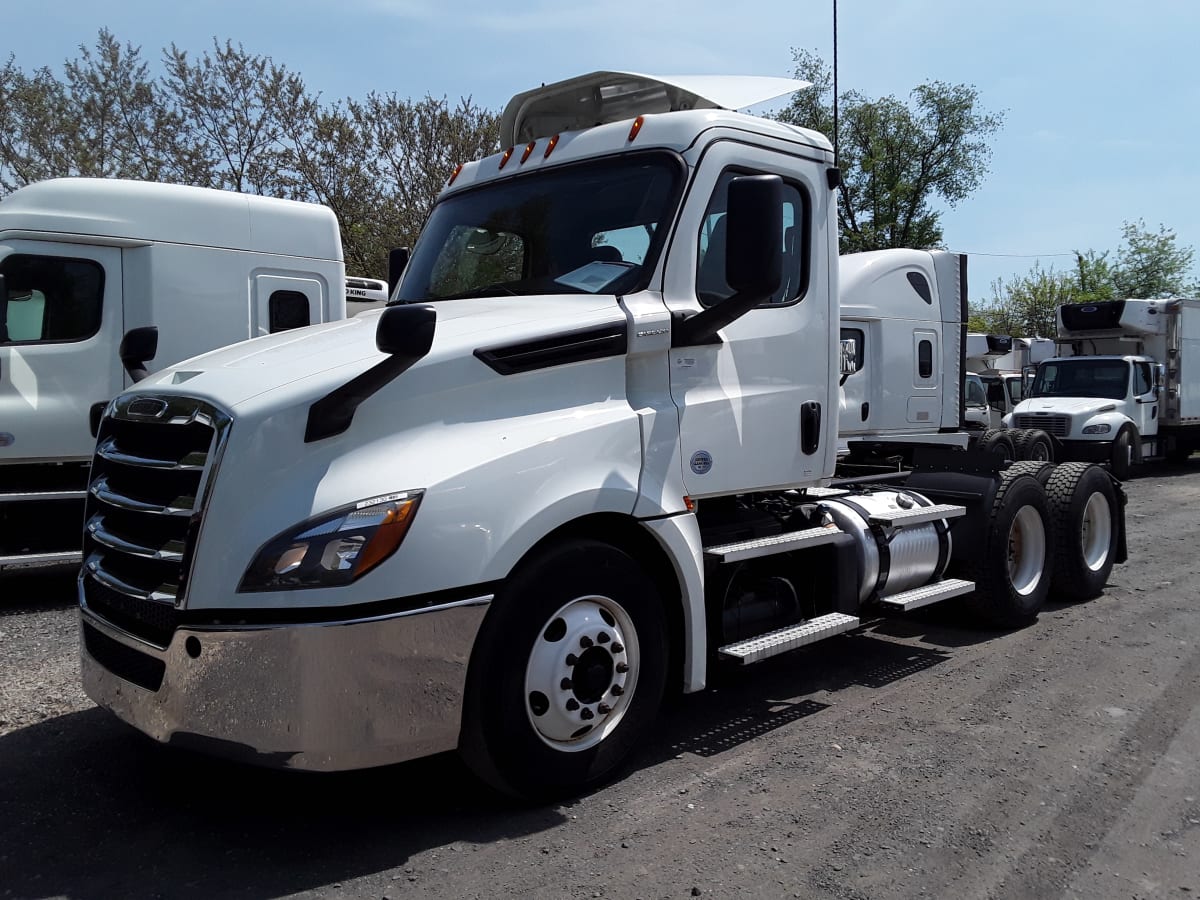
x,y
583,458
1127,390
86,262
1001,362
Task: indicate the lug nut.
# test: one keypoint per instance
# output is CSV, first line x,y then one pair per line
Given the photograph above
x,y
617,690
572,659
603,637
618,647
565,684
585,642
622,667
572,704
587,714
604,709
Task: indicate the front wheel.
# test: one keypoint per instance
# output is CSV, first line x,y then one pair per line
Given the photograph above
x,y
1122,454
567,674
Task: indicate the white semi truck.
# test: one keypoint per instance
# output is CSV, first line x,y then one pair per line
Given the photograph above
x,y
1125,388
86,261
584,458
1000,361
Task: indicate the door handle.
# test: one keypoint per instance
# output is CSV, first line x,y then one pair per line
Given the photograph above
x,y
810,427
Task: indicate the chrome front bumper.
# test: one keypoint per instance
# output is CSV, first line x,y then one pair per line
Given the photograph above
x,y
327,696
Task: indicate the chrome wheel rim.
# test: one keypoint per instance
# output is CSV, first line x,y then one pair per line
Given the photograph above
x,y
1026,551
1096,531
582,673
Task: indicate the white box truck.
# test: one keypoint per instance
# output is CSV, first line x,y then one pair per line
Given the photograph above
x,y
85,261
583,457
1125,388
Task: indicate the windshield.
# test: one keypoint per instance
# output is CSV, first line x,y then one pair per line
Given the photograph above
x,y
1082,377
975,392
596,227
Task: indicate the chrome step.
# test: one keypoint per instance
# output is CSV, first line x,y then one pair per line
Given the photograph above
x,y
776,543
918,515
824,493
41,560
782,640
927,594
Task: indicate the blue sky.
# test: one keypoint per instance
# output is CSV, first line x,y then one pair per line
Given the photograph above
x,y
1101,98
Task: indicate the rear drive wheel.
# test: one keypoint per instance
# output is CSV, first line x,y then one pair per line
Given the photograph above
x,y
1034,444
567,674
996,441
1083,505
1011,571
1039,470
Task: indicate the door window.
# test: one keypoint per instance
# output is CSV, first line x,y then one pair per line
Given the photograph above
x,y
51,299
711,286
1141,379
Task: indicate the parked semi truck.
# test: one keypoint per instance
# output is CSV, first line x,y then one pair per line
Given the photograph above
x,y
582,460
1125,387
85,261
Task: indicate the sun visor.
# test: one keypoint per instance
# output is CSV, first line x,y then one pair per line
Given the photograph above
x,y
603,97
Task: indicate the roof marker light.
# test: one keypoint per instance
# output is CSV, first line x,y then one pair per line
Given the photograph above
x,y
637,126
454,174
505,158
550,147
528,149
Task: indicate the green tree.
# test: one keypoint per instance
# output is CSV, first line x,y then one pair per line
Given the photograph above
x,y
1149,264
897,159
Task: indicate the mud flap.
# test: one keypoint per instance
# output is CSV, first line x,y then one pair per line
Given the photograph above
x,y
1122,499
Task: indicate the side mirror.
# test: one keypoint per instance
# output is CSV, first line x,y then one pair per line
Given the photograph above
x,y
753,256
397,263
137,348
406,331
848,360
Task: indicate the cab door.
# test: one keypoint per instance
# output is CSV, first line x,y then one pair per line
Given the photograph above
x,y
755,406
1145,399
58,354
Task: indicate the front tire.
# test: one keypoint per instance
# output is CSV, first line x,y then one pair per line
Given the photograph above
x,y
567,674
1083,504
1122,454
1012,569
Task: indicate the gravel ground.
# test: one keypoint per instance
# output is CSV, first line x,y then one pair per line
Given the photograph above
x,y
918,757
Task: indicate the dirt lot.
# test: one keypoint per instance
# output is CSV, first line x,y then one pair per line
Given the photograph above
x,y
919,757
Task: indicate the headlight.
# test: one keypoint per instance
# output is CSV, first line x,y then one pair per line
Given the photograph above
x,y
333,549
1097,429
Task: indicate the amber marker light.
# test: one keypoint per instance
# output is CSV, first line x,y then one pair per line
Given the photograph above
x,y
387,538
506,157
637,126
528,149
689,503
550,147
454,174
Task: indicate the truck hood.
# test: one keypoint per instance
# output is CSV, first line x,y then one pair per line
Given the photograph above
x,y
1073,406
318,358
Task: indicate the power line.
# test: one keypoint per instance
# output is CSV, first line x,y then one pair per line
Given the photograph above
x,y
1012,255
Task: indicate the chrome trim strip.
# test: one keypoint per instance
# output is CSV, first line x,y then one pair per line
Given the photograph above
x,y
41,496
172,551
112,582
107,450
341,623
102,492
42,560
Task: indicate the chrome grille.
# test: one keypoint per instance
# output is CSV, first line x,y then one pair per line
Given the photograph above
x,y
1059,426
144,509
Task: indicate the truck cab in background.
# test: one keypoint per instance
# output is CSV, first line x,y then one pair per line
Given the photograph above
x,y
84,261
1125,388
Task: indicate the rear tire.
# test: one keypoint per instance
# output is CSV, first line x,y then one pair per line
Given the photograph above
x,y
1012,569
567,674
996,441
1039,470
1083,505
1033,444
